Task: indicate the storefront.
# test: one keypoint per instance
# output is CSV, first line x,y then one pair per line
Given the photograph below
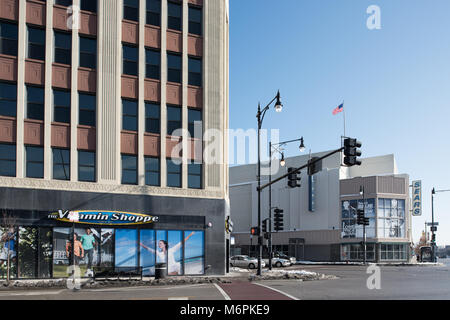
x,y
43,244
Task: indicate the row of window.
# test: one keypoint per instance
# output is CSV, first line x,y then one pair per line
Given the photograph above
x,y
34,167
130,65
174,15
153,118
34,97
36,45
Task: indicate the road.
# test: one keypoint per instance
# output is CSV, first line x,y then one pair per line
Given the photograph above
x,y
410,283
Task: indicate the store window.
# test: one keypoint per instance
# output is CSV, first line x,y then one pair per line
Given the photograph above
x,y
355,252
62,251
34,162
28,251
391,218
87,109
131,10
8,251
174,16
63,48
152,171
7,160
350,229
161,246
194,252
8,38
126,248
195,20
393,252
152,64
107,248
61,106
36,43
152,117
86,166
147,247
8,99
154,12
61,164
88,52
35,103
89,239
45,253
175,253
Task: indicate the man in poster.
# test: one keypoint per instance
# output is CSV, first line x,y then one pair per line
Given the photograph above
x,y
88,242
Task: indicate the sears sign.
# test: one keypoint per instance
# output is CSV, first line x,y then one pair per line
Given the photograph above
x,y
417,198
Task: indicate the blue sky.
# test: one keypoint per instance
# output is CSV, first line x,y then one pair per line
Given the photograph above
x,y
395,81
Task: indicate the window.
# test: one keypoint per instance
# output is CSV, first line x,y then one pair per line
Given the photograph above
x,y
195,21
154,12
7,160
152,171
195,72
63,48
8,99
89,5
173,174
195,121
173,120
391,218
393,252
129,169
8,38
349,227
61,164
129,115
131,10
174,68
152,64
35,103
61,105
130,60
355,252
65,3
34,162
36,43
195,175
86,166
88,53
88,106
174,16
152,118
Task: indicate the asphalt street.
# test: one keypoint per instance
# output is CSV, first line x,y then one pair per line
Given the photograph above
x,y
403,282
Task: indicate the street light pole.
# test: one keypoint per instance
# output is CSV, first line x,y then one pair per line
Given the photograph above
x,y
260,116
433,226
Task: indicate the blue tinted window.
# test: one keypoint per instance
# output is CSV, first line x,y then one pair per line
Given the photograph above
x,y
129,169
152,118
61,105
7,160
87,112
173,174
34,162
8,38
86,166
61,164
152,171
8,99
35,103
129,115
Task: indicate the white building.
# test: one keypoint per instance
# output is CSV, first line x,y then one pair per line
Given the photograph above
x,y
319,220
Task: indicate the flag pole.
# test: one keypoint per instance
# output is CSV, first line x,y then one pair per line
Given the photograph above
x,y
343,104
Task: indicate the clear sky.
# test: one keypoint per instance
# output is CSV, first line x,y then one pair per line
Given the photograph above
x,y
395,81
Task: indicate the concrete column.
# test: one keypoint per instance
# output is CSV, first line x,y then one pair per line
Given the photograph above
x,y
163,92
48,98
74,107
141,93
185,73
22,42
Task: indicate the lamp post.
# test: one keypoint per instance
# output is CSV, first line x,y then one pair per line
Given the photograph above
x,y
433,226
277,148
260,116
362,192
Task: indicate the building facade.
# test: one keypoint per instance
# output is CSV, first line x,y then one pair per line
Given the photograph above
x,y
103,109
320,216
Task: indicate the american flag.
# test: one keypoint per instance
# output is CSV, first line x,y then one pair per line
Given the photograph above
x,y
338,109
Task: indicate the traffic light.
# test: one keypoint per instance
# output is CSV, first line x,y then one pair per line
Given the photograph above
x,y
314,166
254,231
264,226
294,179
278,220
360,220
351,152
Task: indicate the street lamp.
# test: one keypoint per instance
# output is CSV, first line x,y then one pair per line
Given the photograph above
x,y
277,147
433,226
260,116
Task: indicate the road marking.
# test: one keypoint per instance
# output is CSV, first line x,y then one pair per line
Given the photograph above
x,y
35,293
276,290
224,294
178,298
